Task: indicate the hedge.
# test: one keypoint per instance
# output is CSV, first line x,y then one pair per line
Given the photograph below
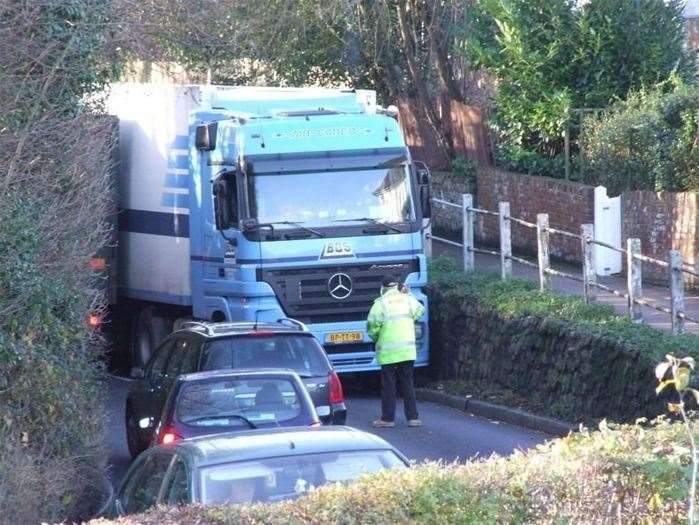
x,y
624,474
581,362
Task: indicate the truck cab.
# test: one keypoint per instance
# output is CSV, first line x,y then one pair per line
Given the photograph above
x,y
298,203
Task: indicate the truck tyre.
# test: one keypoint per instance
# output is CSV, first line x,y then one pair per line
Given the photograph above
x,y
148,331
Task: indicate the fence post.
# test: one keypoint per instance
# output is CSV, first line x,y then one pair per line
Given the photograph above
x,y
542,238
505,239
677,291
467,214
427,239
633,278
587,233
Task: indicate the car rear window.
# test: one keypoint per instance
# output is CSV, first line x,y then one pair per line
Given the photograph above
x,y
279,478
229,402
303,354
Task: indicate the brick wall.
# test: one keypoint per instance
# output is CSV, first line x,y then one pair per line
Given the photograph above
x,y
447,220
569,204
663,221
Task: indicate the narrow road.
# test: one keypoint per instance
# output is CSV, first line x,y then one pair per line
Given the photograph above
x,y
447,434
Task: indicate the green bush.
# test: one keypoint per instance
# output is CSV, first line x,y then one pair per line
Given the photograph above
x,y
648,142
553,55
547,351
515,298
624,474
465,168
55,157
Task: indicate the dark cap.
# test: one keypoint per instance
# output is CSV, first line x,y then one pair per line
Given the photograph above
x,y
389,280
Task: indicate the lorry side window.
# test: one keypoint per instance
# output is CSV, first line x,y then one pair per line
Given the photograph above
x,y
225,201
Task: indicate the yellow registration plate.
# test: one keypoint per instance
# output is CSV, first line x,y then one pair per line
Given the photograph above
x,y
344,337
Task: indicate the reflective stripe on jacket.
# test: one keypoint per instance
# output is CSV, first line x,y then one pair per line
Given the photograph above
x,y
391,324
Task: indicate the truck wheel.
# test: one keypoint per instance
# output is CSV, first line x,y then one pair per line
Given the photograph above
x,y
148,331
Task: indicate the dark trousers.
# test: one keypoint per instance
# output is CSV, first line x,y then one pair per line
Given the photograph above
x,y
401,374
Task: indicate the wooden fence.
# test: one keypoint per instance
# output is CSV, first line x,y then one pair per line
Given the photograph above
x,y
588,278
468,125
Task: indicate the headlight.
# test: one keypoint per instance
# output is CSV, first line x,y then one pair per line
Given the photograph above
x,y
419,331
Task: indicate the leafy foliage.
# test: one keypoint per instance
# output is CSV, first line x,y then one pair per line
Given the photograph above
x,y
648,142
55,157
517,297
465,168
625,474
554,55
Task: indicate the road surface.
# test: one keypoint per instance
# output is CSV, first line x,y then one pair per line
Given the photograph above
x,y
447,434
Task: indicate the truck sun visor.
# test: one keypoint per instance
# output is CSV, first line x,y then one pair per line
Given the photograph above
x,y
330,161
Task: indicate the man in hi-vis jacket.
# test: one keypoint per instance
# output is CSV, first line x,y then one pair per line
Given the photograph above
x,y
391,324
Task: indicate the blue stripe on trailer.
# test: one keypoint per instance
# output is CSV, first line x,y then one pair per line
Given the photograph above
x,y
176,181
158,297
154,223
180,142
178,161
174,200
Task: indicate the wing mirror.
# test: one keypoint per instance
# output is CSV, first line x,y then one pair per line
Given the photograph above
x,y
205,136
423,180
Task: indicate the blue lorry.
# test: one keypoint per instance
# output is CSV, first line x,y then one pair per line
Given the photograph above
x,y
264,203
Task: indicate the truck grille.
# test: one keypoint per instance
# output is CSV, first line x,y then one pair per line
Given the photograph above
x,y
304,293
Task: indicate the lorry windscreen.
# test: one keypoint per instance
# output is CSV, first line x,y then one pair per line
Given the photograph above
x,y
320,199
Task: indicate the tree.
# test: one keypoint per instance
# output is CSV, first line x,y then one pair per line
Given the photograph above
x,y
403,49
553,55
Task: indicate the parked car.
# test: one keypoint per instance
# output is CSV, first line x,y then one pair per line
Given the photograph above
x,y
199,347
251,466
207,403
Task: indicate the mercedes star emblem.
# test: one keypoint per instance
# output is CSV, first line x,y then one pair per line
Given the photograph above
x,y
340,286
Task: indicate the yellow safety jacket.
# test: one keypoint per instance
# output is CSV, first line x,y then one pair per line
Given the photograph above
x,y
391,324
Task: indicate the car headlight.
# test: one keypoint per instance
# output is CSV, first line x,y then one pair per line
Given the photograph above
x,y
419,331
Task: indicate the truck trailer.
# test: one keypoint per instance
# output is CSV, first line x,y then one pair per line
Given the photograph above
x,y
256,204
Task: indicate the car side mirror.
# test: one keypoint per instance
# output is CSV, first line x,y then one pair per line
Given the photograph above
x,y
137,373
426,201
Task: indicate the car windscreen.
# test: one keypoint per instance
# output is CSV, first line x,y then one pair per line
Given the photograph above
x,y
238,402
280,478
300,353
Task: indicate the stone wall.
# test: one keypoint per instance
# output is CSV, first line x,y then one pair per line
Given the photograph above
x,y
447,220
580,377
569,204
663,221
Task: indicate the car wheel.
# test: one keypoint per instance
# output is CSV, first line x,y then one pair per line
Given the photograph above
x,y
133,438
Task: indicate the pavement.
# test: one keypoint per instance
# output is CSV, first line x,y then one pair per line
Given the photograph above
x,y
448,434
656,294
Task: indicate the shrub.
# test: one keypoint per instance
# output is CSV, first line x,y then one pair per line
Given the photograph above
x,y
578,362
55,158
465,168
620,474
648,142
554,55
